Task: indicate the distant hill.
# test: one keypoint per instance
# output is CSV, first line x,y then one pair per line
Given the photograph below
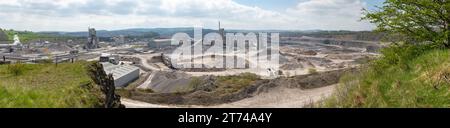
x,y
140,32
152,32
169,32
342,35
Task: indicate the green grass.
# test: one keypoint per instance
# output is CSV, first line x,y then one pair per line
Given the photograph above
x,y
401,78
231,84
47,86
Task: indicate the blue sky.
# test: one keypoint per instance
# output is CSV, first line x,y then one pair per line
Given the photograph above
x,y
277,5
373,3
77,15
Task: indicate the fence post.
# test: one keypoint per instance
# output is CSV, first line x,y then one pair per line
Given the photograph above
x,y
56,61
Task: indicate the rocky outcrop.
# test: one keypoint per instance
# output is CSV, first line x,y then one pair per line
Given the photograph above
x,y
106,84
166,60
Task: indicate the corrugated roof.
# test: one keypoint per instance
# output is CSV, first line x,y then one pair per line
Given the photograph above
x,y
118,70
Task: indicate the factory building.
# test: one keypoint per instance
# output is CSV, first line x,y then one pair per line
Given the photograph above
x,y
92,42
122,74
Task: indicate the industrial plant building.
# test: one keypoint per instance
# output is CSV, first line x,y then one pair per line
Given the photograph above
x,y
122,74
93,41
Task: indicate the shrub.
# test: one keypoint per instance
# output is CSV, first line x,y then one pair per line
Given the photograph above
x,y
195,82
312,71
399,55
16,69
230,84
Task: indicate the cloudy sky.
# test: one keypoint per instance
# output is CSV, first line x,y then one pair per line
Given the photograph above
x,y
77,15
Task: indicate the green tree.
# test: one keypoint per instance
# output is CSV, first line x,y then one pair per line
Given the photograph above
x,y
417,20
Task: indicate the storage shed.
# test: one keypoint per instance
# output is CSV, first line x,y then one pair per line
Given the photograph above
x,y
122,74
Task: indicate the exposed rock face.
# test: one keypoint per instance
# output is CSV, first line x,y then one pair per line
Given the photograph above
x,y
310,53
292,66
156,59
314,80
106,83
166,60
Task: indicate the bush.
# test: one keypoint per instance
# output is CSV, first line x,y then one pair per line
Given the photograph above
x,y
16,69
399,55
312,71
231,84
195,83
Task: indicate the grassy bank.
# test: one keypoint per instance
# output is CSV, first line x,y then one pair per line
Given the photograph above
x,y
46,86
407,76
27,36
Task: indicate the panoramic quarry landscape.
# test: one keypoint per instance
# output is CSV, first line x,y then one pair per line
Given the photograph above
x,y
308,68
224,63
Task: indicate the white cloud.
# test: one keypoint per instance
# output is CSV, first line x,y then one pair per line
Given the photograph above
x,y
326,14
76,15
